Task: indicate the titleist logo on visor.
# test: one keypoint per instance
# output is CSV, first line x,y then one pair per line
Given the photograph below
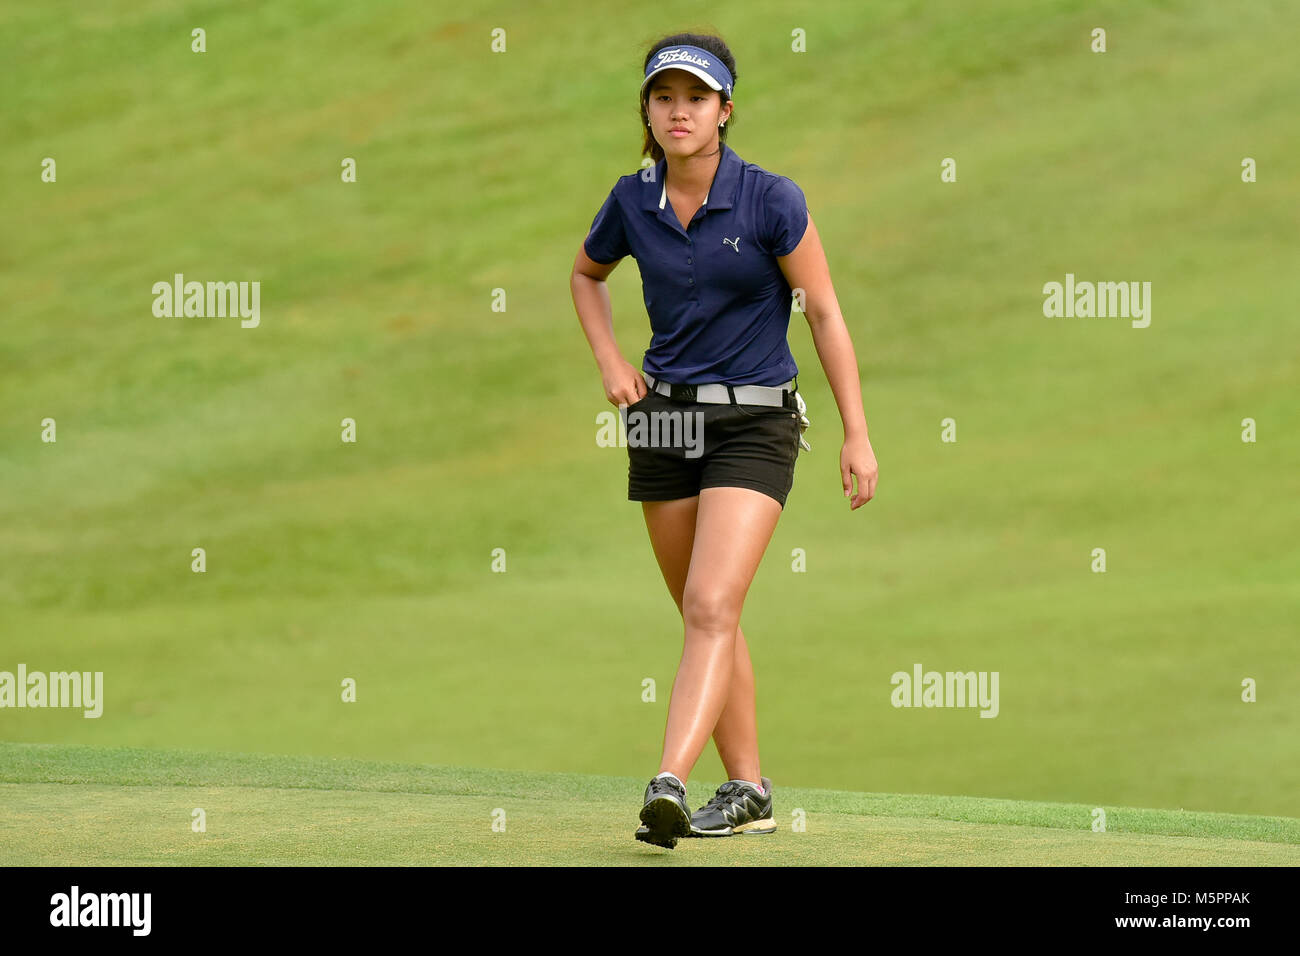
x,y
674,56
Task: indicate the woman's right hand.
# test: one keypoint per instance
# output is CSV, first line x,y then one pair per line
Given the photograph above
x,y
624,384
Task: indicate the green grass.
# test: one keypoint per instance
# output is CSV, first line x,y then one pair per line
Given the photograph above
x,y
88,806
372,561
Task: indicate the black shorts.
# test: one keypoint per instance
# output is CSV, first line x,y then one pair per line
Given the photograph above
x,y
675,448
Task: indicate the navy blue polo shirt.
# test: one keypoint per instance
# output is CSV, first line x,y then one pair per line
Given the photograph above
x,y
718,302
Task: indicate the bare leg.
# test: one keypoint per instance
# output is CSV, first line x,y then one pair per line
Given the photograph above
x,y
736,734
671,525
732,530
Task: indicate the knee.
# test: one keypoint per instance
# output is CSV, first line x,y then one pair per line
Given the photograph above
x,y
710,611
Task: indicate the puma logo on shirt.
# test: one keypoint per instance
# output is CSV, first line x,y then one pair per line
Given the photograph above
x,y
735,243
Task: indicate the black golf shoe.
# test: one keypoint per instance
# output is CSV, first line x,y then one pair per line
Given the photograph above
x,y
737,808
665,816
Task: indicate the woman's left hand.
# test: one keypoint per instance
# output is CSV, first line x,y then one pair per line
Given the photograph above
x,y
857,458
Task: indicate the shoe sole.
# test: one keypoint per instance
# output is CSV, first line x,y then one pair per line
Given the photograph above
x,y
665,821
643,834
753,828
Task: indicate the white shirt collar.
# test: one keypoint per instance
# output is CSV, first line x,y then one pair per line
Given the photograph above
x,y
663,195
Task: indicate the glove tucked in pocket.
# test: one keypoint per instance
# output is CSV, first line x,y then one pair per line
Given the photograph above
x,y
803,421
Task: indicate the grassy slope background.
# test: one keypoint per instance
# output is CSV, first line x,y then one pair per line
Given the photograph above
x,y
480,171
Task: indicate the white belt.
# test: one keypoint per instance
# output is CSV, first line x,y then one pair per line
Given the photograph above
x,y
745,394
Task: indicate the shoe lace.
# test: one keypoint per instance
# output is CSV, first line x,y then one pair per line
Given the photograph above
x,y
723,796
667,783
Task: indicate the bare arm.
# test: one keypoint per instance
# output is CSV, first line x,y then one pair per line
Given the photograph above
x,y
623,383
805,268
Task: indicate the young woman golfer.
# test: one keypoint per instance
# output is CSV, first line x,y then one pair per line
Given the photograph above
x,y
721,244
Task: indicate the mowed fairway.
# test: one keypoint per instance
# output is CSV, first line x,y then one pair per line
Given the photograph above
x,y
78,806
478,175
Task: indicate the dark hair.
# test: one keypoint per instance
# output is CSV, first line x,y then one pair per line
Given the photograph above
x,y
705,41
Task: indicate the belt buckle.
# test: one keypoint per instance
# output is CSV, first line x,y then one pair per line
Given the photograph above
x,y
684,393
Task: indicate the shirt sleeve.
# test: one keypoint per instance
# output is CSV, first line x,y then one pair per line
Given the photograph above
x,y
787,216
607,240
